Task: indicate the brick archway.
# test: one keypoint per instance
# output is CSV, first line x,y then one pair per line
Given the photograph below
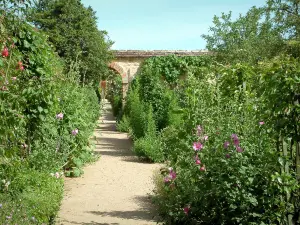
x,y
119,69
123,74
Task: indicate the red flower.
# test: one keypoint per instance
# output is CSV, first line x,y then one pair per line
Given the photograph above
x,y
5,52
186,210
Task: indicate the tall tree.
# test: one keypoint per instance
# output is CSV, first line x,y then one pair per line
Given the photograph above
x,y
249,38
72,28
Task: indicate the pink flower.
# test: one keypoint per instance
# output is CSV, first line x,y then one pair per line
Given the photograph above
x,y
198,162
205,138
202,168
14,78
226,144
57,175
239,149
234,137
167,179
236,142
186,210
197,146
227,156
173,175
261,123
60,116
199,130
75,132
5,52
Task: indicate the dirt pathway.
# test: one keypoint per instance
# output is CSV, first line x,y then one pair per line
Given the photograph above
x,y
114,190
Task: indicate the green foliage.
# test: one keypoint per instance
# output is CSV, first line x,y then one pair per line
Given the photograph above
x,y
114,93
249,38
148,147
72,29
123,125
154,91
244,183
27,202
47,118
137,114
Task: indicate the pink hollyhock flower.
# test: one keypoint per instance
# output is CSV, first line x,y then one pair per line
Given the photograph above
x,y
234,136
197,146
226,144
202,168
173,175
198,162
60,116
261,123
186,210
5,52
235,139
14,78
239,149
227,156
75,132
236,142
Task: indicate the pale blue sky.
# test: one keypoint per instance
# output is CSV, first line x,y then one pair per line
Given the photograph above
x,y
162,24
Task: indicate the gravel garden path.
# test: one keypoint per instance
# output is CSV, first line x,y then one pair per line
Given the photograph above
x,y
114,190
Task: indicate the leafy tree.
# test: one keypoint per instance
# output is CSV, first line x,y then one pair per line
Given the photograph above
x,y
249,38
72,28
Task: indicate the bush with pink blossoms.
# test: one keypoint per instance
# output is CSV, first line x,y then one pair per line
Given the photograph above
x,y
228,169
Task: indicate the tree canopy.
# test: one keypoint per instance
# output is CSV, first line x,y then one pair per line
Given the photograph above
x,y
262,33
72,29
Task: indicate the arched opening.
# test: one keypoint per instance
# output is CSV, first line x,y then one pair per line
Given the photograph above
x,y
114,66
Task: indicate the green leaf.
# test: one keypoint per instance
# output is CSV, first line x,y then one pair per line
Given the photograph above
x,y
42,117
26,44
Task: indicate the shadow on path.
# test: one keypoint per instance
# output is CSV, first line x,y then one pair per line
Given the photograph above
x,y
114,190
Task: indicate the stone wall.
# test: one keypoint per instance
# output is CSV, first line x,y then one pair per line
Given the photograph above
x,y
127,62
